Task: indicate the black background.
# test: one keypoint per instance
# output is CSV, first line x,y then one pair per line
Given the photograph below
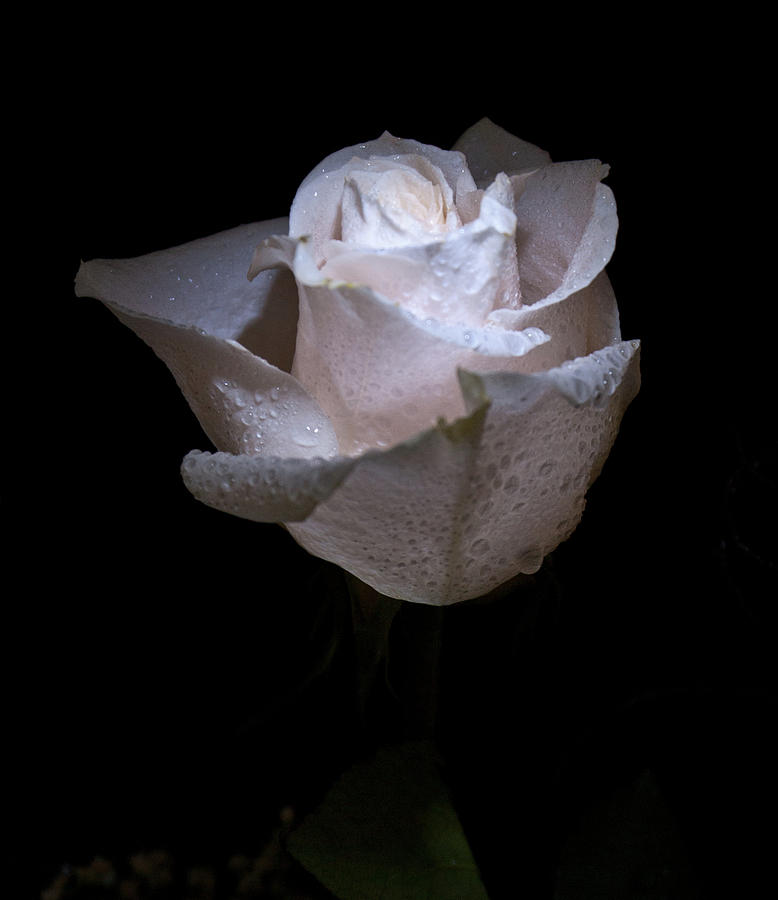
x,y
160,643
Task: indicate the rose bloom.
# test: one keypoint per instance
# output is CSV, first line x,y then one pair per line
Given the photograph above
x,y
419,372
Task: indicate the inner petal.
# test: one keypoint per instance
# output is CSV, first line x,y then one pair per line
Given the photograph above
x,y
395,203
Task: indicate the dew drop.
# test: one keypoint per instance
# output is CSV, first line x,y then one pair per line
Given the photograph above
x,y
530,561
307,438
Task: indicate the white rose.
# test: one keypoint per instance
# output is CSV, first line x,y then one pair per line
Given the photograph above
x,y
457,376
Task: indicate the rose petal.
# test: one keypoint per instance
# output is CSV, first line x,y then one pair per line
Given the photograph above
x,y
590,380
203,284
578,324
460,509
566,228
243,402
460,279
490,150
263,488
380,373
397,201
316,207
595,246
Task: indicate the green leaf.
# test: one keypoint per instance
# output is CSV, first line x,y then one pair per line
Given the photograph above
x,y
387,829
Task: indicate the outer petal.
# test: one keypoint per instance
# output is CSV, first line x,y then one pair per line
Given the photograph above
x,y
263,488
380,373
203,284
459,510
244,403
490,150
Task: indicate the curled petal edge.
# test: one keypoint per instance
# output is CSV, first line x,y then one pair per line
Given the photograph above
x,y
594,251
266,488
199,283
591,379
294,253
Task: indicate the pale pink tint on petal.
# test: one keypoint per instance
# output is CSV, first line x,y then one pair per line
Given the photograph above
x,y
380,373
457,511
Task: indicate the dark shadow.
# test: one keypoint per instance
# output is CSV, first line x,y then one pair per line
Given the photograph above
x,y
272,335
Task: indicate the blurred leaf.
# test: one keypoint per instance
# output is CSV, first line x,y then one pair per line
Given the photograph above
x,y
387,829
